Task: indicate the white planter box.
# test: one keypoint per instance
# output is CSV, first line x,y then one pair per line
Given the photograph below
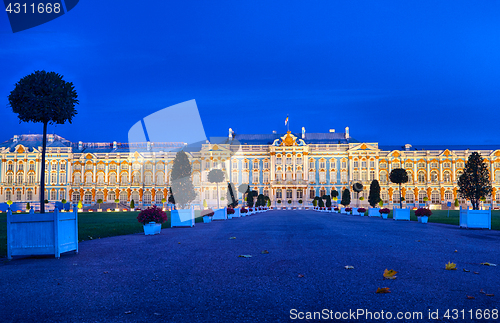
x,y
401,214
220,214
42,234
152,228
237,213
182,218
374,212
342,210
355,211
478,219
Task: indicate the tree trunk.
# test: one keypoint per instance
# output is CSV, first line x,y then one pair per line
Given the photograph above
x,y
42,172
400,200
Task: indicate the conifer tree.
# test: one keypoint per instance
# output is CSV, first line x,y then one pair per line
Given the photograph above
x,y
475,183
374,195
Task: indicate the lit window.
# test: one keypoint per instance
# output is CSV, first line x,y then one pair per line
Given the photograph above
x,y
356,164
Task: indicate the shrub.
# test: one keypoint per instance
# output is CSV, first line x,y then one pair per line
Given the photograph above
x,y
152,214
230,210
132,204
361,210
300,201
423,212
289,201
279,201
384,210
315,202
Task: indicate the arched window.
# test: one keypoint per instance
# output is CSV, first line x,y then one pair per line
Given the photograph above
x,y
410,197
410,176
497,197
88,178
435,198
111,196
288,194
299,193
146,198
497,176
99,195
196,179
395,196
136,178
383,177
279,193
159,197
87,198
76,197
421,196
148,179
135,196
384,196
29,195
448,195
434,177
123,196
160,177
421,178
19,195
124,180
446,177
100,179
112,179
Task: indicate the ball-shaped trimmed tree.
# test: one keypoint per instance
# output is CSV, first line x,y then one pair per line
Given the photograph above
x,y
399,176
43,97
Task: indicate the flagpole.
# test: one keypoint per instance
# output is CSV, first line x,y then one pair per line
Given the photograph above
x,y
287,123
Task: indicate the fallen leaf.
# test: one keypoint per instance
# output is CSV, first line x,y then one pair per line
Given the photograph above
x,y
482,291
476,273
300,276
467,271
245,256
128,312
451,266
264,251
456,251
231,238
390,274
488,264
349,267
470,297
178,242
157,314
383,290
490,295
106,272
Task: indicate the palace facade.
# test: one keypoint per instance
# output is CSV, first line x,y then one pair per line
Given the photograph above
x,y
286,167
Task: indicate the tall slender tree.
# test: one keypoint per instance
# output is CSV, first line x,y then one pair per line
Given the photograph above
x,y
43,97
346,197
399,176
216,176
374,195
475,183
182,186
232,201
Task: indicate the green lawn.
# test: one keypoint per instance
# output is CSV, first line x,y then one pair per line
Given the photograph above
x,y
441,216
95,225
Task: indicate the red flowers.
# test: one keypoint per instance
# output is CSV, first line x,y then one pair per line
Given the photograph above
x,y
152,214
423,212
230,210
385,210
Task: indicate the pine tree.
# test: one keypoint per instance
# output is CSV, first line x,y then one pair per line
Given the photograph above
x,y
182,187
232,201
475,183
374,195
346,197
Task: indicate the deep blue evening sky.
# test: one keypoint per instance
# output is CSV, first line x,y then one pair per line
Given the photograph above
x,y
395,72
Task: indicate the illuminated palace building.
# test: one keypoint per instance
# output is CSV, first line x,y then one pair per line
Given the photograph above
x,y
285,167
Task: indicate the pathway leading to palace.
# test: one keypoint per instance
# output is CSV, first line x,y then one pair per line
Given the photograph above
x,y
195,275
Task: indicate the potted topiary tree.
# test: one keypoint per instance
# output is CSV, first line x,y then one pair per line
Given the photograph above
x,y
279,204
163,201
80,206
99,201
117,201
475,184
400,176
300,204
132,205
28,207
346,200
374,198
289,204
183,192
315,203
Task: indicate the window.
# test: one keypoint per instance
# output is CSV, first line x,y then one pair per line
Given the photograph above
x,y
322,164
448,195
372,175
460,165
364,177
8,195
53,195
245,178
62,195
135,196
20,179
356,164
161,166
421,177
20,166
278,161
88,166
136,178
384,196
497,197
255,165
299,161
497,177
382,165
100,179
278,193
421,165
148,166
123,197
289,160
459,173
343,177
136,166
62,167
288,194
447,165
421,196
255,177
396,165
435,198
46,178
312,176
18,195
159,197
299,193
87,198
10,179
62,179
322,192
266,177
32,166
322,177
446,177
408,165
311,194
29,195
99,196
160,178
54,166
196,179
434,177
88,178
124,166
395,196
235,164
311,163
124,180
78,179
10,166
363,164
410,197
234,178
434,165
333,176
266,165
53,178
77,167
31,179
112,167
410,177
112,179
383,177
245,164
344,164
146,197
355,175
76,197
101,166
111,196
